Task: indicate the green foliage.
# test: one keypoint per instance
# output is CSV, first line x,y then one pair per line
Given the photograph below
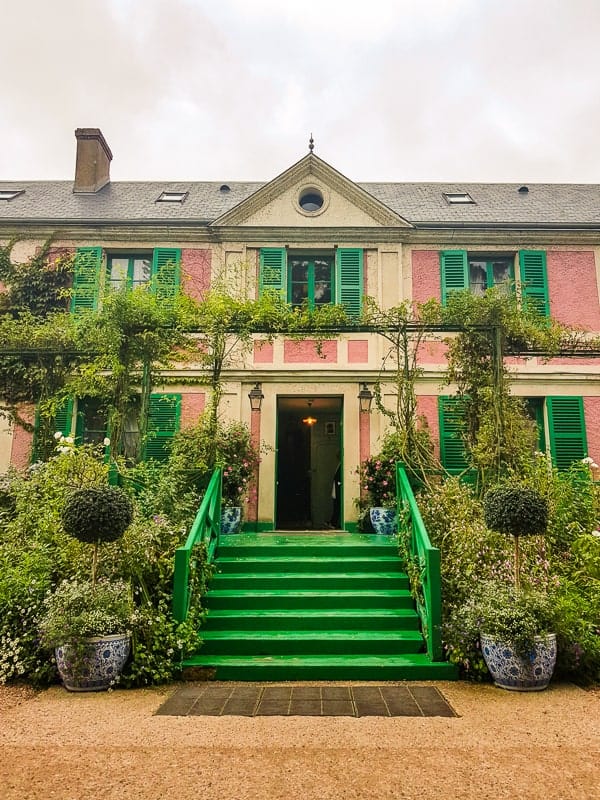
x,y
37,556
79,609
404,328
499,435
38,286
97,514
563,567
501,611
516,511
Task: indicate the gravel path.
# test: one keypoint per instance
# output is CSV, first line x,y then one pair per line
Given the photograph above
x,y
60,746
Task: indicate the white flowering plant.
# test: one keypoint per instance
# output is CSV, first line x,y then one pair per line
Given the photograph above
x,y
79,609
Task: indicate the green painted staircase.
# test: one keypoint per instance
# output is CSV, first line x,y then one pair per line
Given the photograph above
x,y
312,607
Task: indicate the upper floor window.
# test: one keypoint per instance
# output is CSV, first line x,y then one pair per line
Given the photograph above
x,y
129,271
310,280
95,272
487,272
314,279
461,270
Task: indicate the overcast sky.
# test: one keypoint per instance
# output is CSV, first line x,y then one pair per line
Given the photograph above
x,y
472,90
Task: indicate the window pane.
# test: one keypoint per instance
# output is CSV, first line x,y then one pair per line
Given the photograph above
x,y
322,281
501,273
118,272
141,271
299,293
477,277
299,271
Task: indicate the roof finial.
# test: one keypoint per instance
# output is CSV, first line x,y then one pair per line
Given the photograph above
x,y
311,143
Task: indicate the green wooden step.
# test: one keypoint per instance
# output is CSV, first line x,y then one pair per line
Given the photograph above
x,y
375,619
279,580
413,666
306,643
291,598
301,545
312,564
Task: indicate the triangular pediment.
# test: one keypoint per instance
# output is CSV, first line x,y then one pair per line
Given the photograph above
x,y
345,204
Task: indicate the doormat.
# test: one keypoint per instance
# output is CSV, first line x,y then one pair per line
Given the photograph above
x,y
261,700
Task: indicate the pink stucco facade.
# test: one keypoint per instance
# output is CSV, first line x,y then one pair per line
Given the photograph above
x,y
195,272
192,406
591,406
425,275
427,406
358,351
22,440
306,352
573,288
263,353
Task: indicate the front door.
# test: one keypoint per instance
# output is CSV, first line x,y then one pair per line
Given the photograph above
x,y
309,440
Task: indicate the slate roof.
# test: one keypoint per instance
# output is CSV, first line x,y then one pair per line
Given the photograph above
x,y
423,204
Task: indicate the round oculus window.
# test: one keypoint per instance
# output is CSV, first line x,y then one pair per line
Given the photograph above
x,y
311,200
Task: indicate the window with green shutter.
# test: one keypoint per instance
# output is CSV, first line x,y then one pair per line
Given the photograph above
x,y
454,272
61,423
166,267
566,428
273,270
86,279
349,267
534,280
478,273
164,414
452,431
316,278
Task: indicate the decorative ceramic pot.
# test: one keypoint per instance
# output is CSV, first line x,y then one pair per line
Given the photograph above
x,y
530,673
231,519
384,521
100,667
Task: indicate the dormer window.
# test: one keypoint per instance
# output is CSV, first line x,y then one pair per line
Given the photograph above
x,y
10,194
458,198
172,197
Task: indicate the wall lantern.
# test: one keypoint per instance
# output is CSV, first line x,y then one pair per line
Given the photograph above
x,y
256,397
365,398
309,420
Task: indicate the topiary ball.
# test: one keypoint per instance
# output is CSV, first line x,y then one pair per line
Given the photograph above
x,y
97,514
516,510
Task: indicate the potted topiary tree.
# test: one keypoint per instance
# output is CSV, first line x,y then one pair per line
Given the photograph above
x,y
519,652
88,622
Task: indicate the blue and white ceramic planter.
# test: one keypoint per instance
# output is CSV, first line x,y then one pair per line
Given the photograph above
x,y
101,666
530,673
384,521
231,519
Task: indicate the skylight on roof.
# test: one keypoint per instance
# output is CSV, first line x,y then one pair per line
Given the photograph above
x,y
457,197
172,197
10,194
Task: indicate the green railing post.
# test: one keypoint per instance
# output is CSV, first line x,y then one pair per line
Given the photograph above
x,y
429,562
205,530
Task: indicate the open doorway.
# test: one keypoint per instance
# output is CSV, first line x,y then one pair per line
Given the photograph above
x,y
309,453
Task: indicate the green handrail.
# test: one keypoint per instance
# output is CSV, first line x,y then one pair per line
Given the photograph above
x,y
427,558
205,530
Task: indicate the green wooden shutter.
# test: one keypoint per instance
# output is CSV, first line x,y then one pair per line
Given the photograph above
x,y
452,429
272,273
86,279
566,423
166,267
454,272
349,279
164,413
534,280
63,419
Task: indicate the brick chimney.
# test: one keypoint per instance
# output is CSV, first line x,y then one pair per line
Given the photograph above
x,y
92,166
